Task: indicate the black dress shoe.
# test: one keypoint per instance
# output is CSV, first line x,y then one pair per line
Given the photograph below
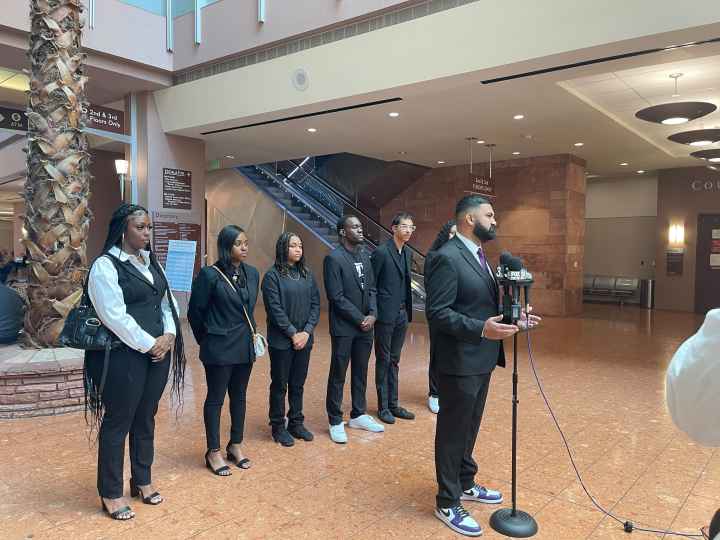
x,y
386,416
281,435
300,432
402,413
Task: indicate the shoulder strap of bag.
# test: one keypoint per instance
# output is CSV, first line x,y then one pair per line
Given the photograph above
x,y
247,317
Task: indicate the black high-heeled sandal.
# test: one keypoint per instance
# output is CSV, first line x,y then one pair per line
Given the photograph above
x,y
243,463
219,469
137,492
117,514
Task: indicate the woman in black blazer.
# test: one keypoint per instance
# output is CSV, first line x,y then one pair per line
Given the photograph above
x,y
292,303
223,298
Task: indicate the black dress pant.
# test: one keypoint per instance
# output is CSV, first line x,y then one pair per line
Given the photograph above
x,y
288,371
389,340
462,401
131,395
356,351
433,391
221,380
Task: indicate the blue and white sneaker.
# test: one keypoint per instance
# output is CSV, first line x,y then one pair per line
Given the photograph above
x,y
481,494
459,520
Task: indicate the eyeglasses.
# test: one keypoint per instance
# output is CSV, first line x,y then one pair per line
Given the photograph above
x,y
410,228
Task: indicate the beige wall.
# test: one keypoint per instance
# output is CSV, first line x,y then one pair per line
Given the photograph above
x,y
678,203
230,26
620,227
621,246
232,199
6,236
104,198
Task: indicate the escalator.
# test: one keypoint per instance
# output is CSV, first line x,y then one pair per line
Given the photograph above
x,y
308,198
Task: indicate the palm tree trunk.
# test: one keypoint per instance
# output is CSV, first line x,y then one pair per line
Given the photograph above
x,y
57,218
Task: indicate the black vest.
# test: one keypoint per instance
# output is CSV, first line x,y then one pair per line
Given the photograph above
x,y
142,299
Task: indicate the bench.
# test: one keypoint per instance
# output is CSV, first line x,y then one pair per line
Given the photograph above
x,y
611,289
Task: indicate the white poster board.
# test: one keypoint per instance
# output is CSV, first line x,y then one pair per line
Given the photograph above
x,y
180,263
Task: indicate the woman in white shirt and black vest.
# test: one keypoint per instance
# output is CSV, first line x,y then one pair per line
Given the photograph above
x,y
130,293
220,314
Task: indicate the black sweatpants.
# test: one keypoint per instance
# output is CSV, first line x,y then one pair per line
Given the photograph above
x,y
288,371
131,395
354,350
462,400
389,340
221,380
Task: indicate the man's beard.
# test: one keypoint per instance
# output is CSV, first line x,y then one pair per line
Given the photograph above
x,y
485,235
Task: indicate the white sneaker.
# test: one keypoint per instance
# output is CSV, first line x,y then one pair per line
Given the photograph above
x,y
337,433
459,520
367,423
434,404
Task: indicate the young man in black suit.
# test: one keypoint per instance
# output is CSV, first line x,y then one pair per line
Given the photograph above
x,y
350,288
462,310
391,265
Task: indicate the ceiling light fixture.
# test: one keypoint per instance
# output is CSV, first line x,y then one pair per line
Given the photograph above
x,y
481,141
696,137
641,171
624,164
713,156
441,162
229,156
672,114
518,117
393,114
516,153
312,130
579,144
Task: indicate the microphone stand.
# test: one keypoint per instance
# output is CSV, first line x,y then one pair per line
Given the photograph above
x,y
511,521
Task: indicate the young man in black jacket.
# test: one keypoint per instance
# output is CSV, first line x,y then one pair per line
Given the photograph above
x,y
391,264
350,288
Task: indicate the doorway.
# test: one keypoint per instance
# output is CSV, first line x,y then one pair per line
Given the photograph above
x,y
707,264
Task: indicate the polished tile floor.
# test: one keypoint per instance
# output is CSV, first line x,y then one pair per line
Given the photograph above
x,y
603,373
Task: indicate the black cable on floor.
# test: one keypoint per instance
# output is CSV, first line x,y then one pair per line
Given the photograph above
x,y
627,525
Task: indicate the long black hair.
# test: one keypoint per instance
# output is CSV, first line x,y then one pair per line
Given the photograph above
x,y
281,255
443,236
225,243
116,230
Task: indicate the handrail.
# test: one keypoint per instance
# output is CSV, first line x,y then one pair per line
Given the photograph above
x,y
349,202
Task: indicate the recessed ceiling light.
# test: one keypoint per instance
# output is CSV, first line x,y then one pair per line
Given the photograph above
x,y
714,160
312,130
675,120
402,152
441,163
578,144
229,157
393,114
713,156
518,117
701,143
481,141
641,171
516,153
624,164
696,137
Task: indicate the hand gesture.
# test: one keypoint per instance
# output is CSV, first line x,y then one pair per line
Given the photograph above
x,y
528,321
495,330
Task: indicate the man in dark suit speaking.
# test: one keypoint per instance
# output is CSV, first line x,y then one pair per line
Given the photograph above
x,y
350,288
462,310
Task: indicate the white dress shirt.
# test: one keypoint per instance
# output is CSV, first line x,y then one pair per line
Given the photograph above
x,y
693,383
107,297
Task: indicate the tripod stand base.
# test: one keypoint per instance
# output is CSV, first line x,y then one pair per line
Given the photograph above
x,y
519,525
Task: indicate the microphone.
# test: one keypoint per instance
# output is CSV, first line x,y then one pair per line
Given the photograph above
x,y
511,275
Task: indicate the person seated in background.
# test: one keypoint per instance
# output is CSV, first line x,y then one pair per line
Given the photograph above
x,y
12,312
692,389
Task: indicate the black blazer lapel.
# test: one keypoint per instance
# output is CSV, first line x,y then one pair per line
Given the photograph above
x,y
351,262
472,261
395,256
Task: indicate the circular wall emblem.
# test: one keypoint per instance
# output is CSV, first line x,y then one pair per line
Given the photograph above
x,y
16,117
300,79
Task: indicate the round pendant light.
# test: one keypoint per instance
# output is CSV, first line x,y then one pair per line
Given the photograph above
x,y
672,114
713,156
697,137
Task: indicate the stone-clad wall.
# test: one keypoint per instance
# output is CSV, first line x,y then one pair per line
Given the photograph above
x,y
540,206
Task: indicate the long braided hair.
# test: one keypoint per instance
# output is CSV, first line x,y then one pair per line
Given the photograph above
x,y
116,229
443,235
281,256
